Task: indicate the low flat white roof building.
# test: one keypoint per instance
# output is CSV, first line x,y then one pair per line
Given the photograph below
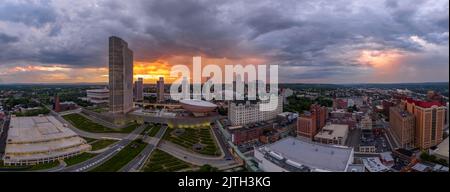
x,y
296,155
332,134
442,150
40,139
98,96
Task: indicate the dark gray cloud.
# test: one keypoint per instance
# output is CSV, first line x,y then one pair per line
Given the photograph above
x,y
321,39
266,20
28,13
5,39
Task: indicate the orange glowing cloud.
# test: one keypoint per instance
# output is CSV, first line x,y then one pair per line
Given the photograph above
x,y
38,68
151,71
378,59
56,73
386,65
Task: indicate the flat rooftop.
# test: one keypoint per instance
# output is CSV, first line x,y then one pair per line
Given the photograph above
x,y
373,164
313,155
333,131
37,129
41,137
442,148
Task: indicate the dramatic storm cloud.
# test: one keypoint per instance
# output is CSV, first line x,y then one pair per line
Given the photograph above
x,y
313,41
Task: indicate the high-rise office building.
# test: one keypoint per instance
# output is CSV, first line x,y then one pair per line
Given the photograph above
x,y
160,89
402,125
430,117
120,76
98,96
139,89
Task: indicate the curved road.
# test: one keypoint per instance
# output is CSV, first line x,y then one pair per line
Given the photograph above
x,y
89,134
106,155
192,158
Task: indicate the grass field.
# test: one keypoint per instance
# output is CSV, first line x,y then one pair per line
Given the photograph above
x,y
101,144
161,161
31,167
89,140
78,159
147,129
154,131
85,124
122,158
193,136
43,166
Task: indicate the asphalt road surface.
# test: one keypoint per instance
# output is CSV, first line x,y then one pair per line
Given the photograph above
x,y
4,135
106,155
192,158
88,134
223,144
137,163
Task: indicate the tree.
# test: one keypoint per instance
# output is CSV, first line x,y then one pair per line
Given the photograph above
x,y
298,104
222,111
322,101
208,168
151,99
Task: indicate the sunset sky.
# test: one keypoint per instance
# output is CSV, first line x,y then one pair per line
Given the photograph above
x,y
339,41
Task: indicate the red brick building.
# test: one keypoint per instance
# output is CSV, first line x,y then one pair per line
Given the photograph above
x,y
57,104
244,135
310,123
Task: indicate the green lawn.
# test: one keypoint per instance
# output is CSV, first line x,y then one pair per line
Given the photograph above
x,y
161,161
122,158
192,136
147,129
129,128
31,167
85,124
154,131
12,167
89,140
101,144
43,166
97,109
79,158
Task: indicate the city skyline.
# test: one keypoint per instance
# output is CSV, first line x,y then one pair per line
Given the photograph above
x,y
312,41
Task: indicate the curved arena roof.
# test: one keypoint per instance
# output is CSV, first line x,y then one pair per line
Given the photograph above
x,y
199,106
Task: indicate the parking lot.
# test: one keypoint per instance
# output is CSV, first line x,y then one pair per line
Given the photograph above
x,y
379,141
249,146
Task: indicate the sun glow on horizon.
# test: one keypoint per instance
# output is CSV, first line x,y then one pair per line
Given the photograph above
x,y
151,71
379,59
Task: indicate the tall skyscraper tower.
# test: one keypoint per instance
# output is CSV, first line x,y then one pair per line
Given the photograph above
x,y
160,89
139,89
120,76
